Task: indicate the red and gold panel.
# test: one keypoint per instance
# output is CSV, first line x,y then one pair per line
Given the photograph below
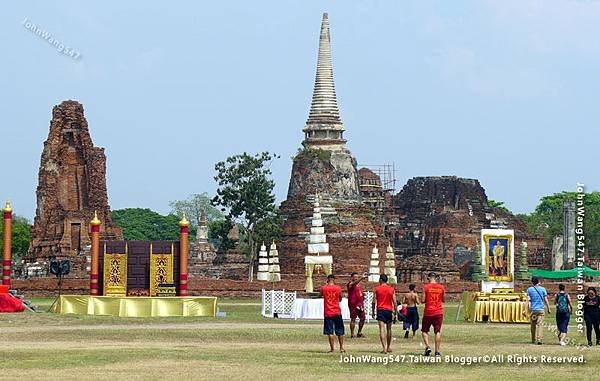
x,y
115,273
161,270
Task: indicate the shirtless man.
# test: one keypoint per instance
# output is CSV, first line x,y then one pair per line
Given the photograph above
x,y
411,299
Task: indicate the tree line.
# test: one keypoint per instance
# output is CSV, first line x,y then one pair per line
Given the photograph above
x,y
245,198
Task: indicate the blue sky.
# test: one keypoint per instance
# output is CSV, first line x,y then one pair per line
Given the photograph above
x,y
502,91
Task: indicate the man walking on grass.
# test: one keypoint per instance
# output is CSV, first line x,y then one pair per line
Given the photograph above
x,y
333,323
411,299
356,303
433,313
537,297
385,301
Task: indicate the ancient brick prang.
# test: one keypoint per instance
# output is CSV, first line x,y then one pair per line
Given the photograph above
x,y
373,192
72,185
349,227
331,173
439,222
326,167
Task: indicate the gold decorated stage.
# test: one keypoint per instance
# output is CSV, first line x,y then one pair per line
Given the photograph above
x,y
498,307
136,306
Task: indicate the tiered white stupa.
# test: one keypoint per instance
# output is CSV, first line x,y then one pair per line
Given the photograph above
x,y
274,271
317,245
390,265
263,264
374,266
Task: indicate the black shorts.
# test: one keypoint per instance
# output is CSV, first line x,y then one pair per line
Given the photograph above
x,y
385,316
333,324
412,318
562,321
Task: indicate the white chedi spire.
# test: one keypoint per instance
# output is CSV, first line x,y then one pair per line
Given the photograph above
x,y
374,265
263,264
390,265
274,270
324,128
324,108
317,240
202,231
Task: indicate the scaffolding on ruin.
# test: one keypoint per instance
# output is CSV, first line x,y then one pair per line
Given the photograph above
x,y
387,176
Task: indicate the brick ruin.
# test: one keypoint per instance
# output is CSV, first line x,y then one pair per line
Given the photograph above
x,y
208,262
372,192
326,167
72,185
435,223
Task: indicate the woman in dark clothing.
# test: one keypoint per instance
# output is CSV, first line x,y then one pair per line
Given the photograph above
x,y
564,308
591,315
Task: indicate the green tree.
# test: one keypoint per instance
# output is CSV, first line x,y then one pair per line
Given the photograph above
x,y
147,225
270,228
21,236
246,193
547,219
193,207
498,205
217,234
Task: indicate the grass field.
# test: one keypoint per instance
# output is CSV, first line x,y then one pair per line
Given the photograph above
x,y
246,346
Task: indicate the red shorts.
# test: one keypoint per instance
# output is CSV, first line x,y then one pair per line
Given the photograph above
x,y
436,321
357,312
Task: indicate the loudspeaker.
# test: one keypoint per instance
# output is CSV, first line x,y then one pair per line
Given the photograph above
x,y
65,266
55,267
60,267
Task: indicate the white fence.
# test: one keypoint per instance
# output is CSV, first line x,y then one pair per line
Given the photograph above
x,y
368,302
283,305
278,302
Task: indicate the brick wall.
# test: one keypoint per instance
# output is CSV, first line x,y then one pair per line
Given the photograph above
x,y
243,289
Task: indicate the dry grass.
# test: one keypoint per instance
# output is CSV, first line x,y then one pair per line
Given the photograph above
x,y
246,346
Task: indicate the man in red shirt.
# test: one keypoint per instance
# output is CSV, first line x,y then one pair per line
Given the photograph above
x,y
356,303
434,313
333,323
385,301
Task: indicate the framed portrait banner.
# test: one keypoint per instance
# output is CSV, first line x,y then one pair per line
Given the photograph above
x,y
497,256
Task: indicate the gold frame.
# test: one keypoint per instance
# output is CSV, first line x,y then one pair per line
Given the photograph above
x,y
169,257
509,256
120,288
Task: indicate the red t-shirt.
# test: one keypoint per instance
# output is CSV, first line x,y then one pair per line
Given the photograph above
x,y
355,296
434,294
384,295
331,300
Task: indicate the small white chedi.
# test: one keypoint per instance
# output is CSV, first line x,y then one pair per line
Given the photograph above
x,y
374,265
317,240
274,270
317,245
390,265
263,264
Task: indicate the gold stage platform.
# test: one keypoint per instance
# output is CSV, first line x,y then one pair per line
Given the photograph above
x,y
136,306
497,310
